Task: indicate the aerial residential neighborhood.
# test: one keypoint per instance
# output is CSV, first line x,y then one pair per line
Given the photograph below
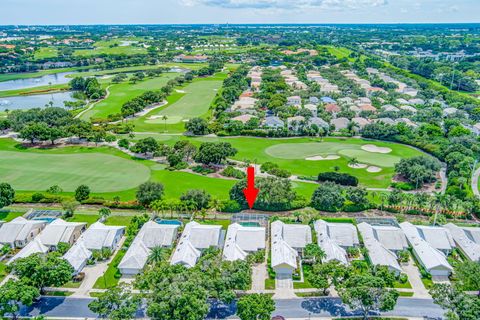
x,y
237,159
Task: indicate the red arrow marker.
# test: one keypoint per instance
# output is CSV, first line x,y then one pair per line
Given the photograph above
x,y
250,191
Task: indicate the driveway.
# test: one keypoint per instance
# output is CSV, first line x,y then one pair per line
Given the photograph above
x,y
419,290
284,287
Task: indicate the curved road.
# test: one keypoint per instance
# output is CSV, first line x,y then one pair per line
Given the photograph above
x,y
65,308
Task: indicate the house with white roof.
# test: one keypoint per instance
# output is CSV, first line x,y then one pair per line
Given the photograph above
x,y
273,122
195,238
382,243
438,237
151,235
78,256
432,259
335,238
242,240
465,241
20,231
312,108
286,241
58,231
97,237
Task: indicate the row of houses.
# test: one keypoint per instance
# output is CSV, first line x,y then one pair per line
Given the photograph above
x,y
43,236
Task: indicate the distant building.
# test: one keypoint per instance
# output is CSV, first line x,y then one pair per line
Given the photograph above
x,y
199,58
294,101
340,123
274,122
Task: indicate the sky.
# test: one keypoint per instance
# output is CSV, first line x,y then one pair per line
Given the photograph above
x,y
236,11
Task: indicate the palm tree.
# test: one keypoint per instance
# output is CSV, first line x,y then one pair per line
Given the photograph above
x,y
104,213
214,205
165,118
351,127
157,255
383,199
353,162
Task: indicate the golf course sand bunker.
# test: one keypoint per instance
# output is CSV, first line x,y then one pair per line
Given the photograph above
x,y
375,149
373,169
358,166
321,158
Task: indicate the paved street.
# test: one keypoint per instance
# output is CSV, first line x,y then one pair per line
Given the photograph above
x,y
290,308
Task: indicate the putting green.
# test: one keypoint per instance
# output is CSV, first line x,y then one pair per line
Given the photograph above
x,y
101,172
302,151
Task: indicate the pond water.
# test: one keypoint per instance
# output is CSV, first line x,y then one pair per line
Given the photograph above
x,y
57,78
35,101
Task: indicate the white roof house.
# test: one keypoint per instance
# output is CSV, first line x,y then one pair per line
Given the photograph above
x,y
196,237
283,255
97,237
463,239
334,238
295,235
438,237
32,247
432,259
61,231
100,236
151,235
473,233
54,233
20,231
240,241
345,234
381,243
78,256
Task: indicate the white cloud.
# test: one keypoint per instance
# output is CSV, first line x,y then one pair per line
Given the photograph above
x,y
287,4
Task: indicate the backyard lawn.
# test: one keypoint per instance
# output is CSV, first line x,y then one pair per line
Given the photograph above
x,y
88,218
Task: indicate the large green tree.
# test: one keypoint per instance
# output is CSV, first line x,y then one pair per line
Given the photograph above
x,y
15,293
6,194
275,194
214,152
468,274
459,305
43,271
255,306
328,197
367,293
148,192
117,303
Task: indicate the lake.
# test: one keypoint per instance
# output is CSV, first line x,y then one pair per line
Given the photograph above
x,y
35,101
57,78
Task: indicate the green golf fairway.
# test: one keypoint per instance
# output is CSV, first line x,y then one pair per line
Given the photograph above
x,y
101,172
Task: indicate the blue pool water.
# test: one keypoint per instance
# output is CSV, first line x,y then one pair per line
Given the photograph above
x,y
171,222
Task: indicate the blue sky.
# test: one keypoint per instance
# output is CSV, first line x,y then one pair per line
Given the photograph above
x,y
236,11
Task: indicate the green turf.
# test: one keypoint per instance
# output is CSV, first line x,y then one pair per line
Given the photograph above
x,y
123,92
106,47
88,218
310,149
3,271
118,220
6,215
45,52
102,172
108,279
192,100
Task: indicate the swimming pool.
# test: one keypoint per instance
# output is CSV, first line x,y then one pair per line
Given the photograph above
x,y
170,222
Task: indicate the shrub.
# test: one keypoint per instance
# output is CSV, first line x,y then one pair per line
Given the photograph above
x,y
231,172
343,179
405,186
54,189
37,197
230,206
